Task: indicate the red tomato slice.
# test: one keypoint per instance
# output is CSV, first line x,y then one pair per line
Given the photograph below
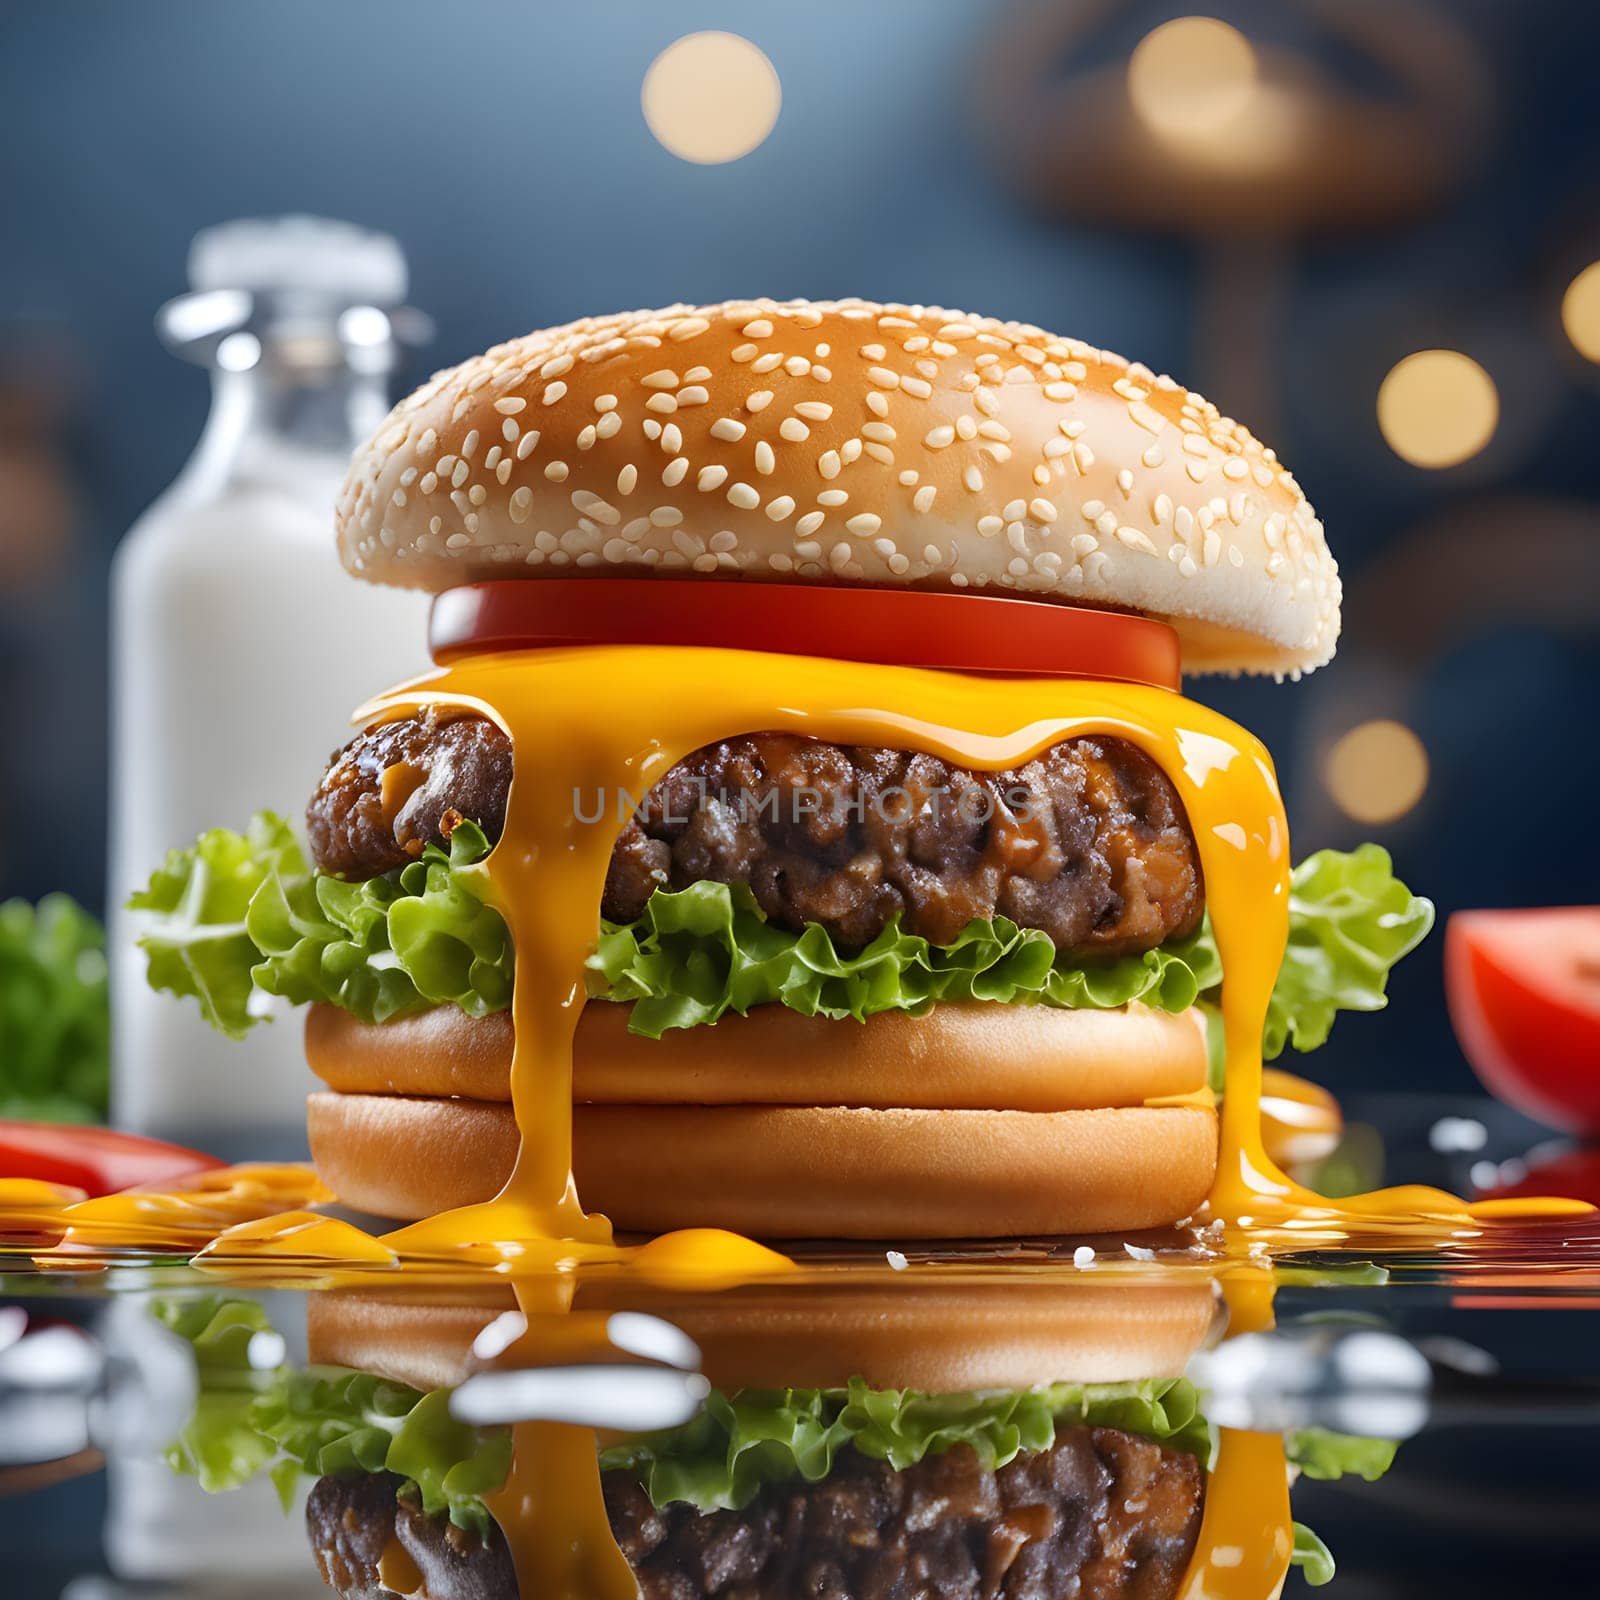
x,y
896,627
1524,993
96,1160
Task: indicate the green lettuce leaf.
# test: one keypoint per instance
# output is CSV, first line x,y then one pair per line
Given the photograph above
x,y
219,1446
55,1018
329,1421
196,939
239,917
739,1443
1350,921
1320,1453
700,952
1312,1557
321,1421
242,917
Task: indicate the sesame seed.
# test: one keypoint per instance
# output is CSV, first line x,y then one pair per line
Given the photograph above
x,y
1163,508
665,517
671,439
652,428
727,428
884,378
1154,456
586,436
966,428
794,430
461,474
759,401
832,498
1125,481
1042,510
556,366
864,523
873,352
924,497
697,374
765,460
1082,456
769,362
554,392
695,395
809,523
675,471
881,431
556,471
797,366
1146,416
877,404
938,438
759,329
521,504
430,482
687,328
527,444
664,403
780,508
711,478
627,478
814,410
609,424
821,373
828,464
1135,540
972,478
744,352
509,405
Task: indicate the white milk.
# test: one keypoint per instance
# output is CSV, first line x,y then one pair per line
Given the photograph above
x,y
240,645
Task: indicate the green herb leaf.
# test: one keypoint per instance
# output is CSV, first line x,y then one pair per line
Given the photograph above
x,y
55,1020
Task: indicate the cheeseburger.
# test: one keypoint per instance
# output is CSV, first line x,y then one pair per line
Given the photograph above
x,y
1021,1440
804,833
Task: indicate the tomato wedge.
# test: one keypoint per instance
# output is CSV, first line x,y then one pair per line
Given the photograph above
x,y
1524,994
97,1160
895,627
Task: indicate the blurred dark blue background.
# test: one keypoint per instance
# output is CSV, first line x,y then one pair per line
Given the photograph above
x,y
503,144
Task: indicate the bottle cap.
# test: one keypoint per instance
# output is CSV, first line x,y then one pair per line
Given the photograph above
x,y
311,255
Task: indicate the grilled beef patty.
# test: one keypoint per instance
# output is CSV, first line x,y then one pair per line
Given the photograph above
x,y
1088,842
1101,1515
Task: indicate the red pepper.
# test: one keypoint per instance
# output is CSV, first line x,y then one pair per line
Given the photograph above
x,y
96,1160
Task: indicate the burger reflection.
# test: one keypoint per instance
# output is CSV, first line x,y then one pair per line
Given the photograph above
x,y
793,1438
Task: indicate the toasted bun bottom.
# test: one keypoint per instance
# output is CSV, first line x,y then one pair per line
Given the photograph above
x,y
957,1057
949,1340
787,1172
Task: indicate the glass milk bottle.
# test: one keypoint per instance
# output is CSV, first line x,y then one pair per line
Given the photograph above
x,y
240,645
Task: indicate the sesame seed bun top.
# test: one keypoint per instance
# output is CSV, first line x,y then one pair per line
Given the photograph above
x,y
843,443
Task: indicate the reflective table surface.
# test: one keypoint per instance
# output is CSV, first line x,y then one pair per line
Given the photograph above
x,y
1106,1417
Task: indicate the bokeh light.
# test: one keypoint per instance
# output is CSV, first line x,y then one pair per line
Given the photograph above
x,y
1438,408
1580,312
1377,772
711,97
1191,76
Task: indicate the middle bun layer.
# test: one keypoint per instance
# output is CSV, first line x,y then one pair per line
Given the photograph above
x,y
957,1057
